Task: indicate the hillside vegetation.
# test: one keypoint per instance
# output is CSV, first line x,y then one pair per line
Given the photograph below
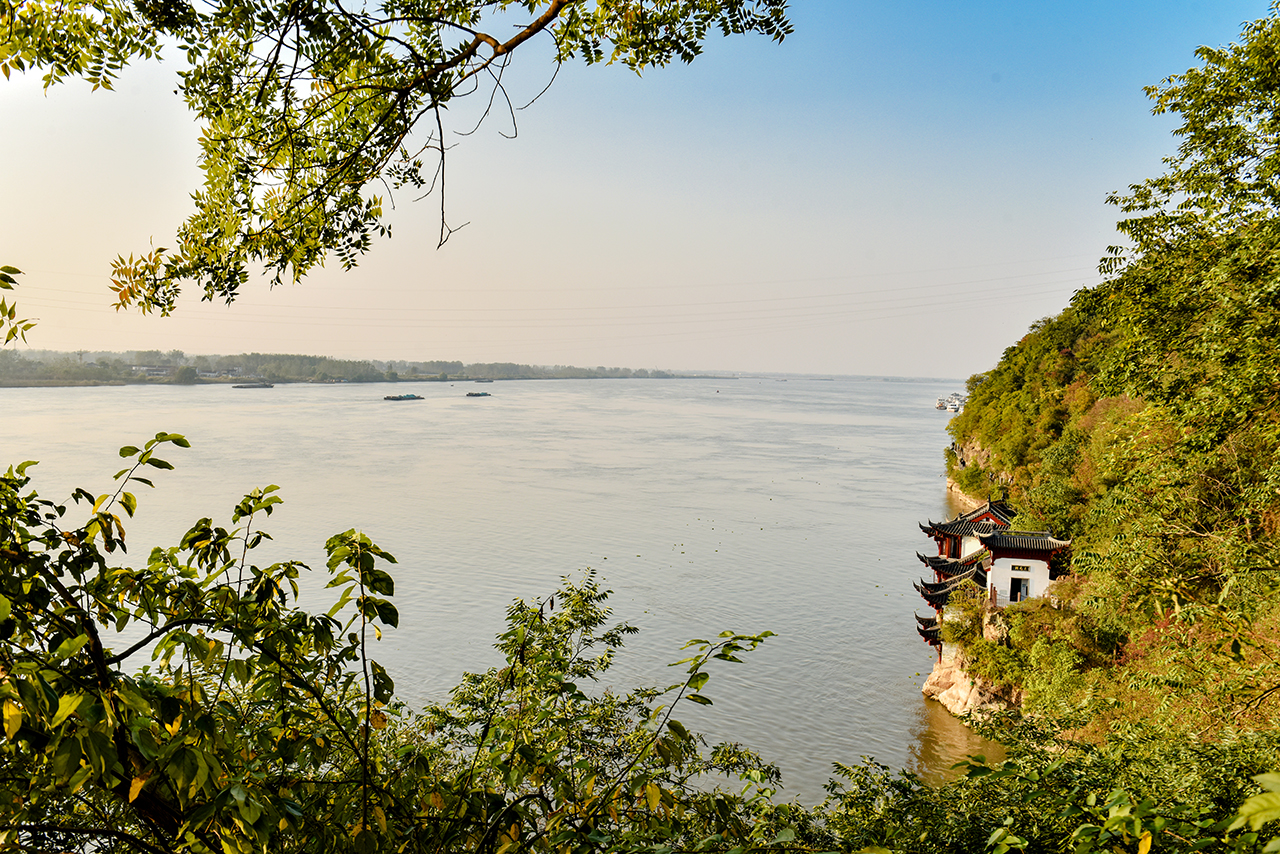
x,y
1143,423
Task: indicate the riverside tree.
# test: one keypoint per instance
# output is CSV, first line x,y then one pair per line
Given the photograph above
x,y
311,109
255,725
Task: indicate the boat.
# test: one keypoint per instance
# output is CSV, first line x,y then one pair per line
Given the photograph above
x,y
254,385
403,397
478,394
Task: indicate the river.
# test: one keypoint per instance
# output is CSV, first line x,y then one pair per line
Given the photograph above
x,y
745,504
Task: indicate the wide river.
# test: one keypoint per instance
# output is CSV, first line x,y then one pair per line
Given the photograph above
x,y
744,504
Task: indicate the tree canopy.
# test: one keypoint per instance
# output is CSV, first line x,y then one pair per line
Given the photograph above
x,y
313,111
1226,172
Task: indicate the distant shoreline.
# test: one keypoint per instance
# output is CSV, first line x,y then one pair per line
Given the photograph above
x,y
233,381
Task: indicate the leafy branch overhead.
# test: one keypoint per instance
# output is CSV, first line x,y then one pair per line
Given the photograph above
x,y
313,112
11,326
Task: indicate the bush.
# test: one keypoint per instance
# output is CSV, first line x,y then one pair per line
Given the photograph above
x,y
260,726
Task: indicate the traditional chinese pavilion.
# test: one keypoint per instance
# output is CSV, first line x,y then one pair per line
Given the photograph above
x,y
958,537
979,548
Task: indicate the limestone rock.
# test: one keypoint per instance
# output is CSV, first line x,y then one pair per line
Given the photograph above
x,y
963,694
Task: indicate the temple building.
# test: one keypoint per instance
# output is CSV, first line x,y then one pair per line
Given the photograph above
x,y
980,549
958,537
1019,567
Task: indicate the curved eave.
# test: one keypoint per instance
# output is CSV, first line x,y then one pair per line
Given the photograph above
x,y
1031,542
937,600
931,637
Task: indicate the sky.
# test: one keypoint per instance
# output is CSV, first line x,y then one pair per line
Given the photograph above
x,y
899,188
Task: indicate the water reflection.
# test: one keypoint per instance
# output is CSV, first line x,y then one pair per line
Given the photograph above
x,y
941,740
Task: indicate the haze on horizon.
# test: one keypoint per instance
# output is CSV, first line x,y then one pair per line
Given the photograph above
x,y
897,189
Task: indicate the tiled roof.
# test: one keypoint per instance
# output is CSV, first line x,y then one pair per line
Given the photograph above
x,y
992,515
1030,541
949,566
974,573
933,636
938,593
999,509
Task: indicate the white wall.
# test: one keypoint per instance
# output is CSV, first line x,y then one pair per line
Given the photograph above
x,y
1002,574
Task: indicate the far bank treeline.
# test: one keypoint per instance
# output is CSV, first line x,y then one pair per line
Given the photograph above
x,y
47,367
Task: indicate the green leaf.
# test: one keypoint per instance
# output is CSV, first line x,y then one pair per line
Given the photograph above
x,y
66,759
1260,809
68,704
70,647
387,613
699,699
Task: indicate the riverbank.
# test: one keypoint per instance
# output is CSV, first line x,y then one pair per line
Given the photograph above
x,y
958,691
37,368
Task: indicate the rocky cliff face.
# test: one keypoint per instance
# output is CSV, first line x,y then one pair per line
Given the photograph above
x,y
963,694
970,453
964,499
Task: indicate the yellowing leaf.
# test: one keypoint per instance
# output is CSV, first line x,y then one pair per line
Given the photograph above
x,y
135,787
12,718
1144,842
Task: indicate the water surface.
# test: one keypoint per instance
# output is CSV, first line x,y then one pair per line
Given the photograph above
x,y
705,505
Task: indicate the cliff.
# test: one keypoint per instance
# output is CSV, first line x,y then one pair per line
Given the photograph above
x,y
964,694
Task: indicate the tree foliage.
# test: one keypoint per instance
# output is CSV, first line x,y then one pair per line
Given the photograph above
x,y
258,725
1225,174
1144,421
312,111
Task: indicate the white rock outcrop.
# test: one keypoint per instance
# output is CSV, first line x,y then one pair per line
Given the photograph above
x,y
963,694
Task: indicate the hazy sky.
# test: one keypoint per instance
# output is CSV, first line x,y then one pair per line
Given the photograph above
x,y
899,188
